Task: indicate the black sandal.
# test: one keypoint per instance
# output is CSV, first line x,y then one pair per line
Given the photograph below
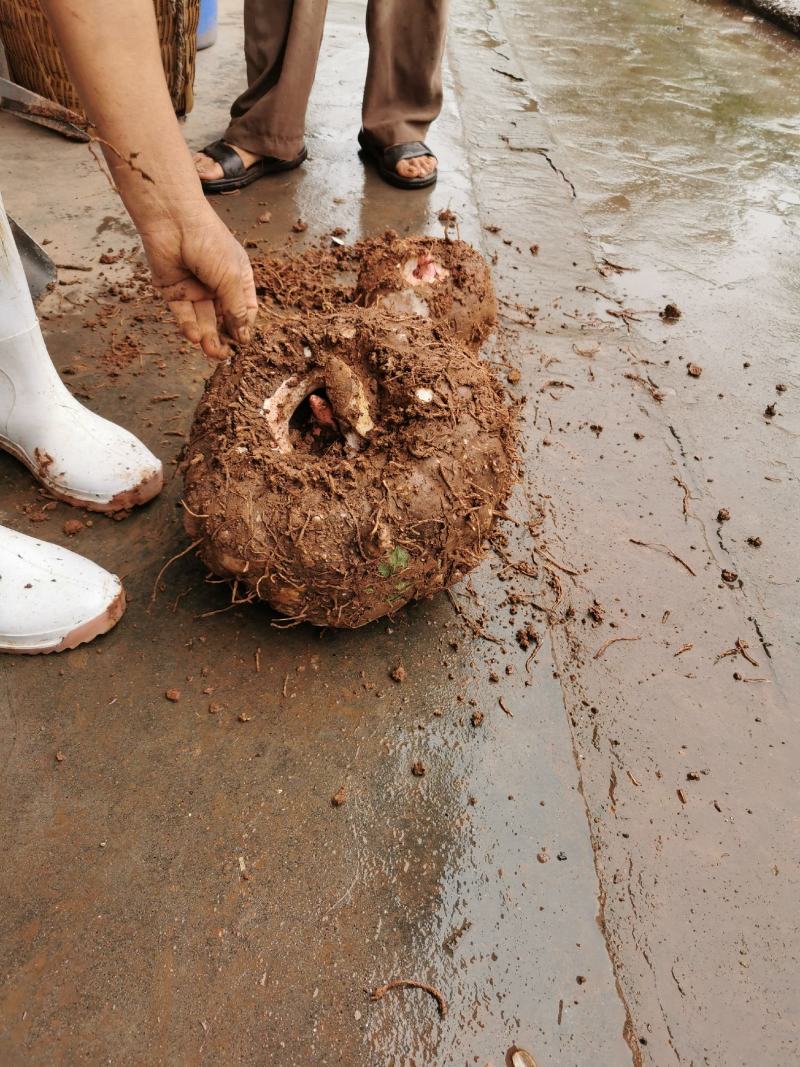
x,y
236,175
386,160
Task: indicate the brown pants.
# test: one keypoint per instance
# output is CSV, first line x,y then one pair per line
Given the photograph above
x,y
403,94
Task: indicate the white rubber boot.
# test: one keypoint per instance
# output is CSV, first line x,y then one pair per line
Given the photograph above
x,y
80,457
52,599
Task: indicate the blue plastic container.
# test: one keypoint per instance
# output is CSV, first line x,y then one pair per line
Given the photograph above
x,y
207,24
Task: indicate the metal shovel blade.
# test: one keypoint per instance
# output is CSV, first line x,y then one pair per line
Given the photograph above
x,y
29,105
40,270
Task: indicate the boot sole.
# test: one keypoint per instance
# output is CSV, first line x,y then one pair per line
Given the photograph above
x,y
129,498
82,634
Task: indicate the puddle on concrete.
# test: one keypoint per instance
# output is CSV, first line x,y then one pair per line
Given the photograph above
x,y
679,124
682,126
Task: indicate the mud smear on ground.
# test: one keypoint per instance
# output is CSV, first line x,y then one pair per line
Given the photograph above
x,y
348,461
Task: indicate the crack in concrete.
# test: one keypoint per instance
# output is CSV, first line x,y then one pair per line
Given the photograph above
x,y
557,170
676,435
765,644
494,20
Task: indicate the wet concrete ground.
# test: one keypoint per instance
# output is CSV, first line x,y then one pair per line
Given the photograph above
x,y
178,888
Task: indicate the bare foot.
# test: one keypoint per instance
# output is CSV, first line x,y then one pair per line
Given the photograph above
x,y
420,167
209,170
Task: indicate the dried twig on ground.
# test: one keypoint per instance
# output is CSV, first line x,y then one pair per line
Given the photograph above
x,y
687,496
612,641
663,548
616,267
476,629
741,648
561,566
169,563
654,391
410,983
528,661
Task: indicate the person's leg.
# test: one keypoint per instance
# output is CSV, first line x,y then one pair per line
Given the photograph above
x,y
403,93
50,598
282,43
78,456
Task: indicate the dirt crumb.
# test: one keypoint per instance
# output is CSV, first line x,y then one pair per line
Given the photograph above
x,y
670,313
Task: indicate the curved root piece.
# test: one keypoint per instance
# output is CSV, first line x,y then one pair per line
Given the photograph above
x,y
279,408
347,411
411,983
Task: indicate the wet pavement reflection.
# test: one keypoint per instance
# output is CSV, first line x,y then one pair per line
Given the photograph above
x,y
182,888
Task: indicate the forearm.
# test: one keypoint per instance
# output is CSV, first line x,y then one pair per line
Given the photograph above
x,y
112,53
111,50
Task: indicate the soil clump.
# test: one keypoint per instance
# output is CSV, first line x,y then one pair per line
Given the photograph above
x,y
348,461
434,278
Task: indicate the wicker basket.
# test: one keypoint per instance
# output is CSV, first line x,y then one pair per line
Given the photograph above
x,y
35,62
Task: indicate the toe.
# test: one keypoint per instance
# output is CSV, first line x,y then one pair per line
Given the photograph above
x,y
419,167
207,168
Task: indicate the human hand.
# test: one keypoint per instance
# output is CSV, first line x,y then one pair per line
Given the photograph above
x,y
205,276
